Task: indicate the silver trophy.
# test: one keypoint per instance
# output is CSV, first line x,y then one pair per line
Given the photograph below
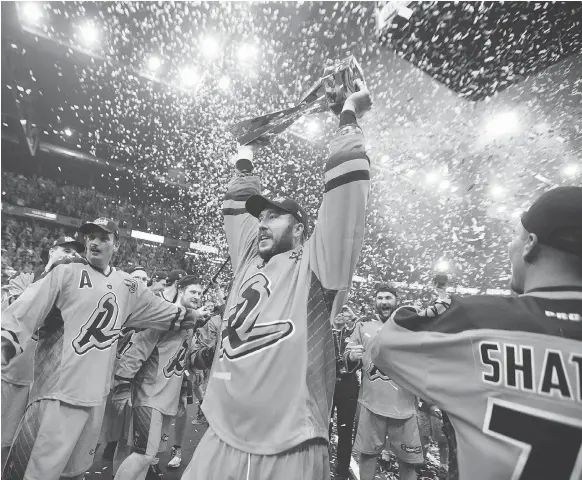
x,y
328,93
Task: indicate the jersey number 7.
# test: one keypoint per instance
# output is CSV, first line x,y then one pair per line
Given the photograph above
x,y
551,444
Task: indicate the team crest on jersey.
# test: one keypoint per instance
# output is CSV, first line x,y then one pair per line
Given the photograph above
x,y
374,373
131,283
177,364
99,330
297,254
242,335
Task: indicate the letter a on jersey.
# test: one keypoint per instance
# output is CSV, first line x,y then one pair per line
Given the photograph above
x,y
99,330
242,335
85,280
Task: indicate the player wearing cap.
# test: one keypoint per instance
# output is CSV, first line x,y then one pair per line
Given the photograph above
x,y
158,282
17,376
78,308
507,371
152,368
140,274
170,291
386,409
270,392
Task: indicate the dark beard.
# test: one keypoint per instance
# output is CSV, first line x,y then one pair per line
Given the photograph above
x,y
379,312
285,244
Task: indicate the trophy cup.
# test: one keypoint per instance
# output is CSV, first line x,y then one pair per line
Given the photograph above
x,y
328,93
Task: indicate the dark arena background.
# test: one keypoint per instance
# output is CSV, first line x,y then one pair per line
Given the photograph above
x,y
123,108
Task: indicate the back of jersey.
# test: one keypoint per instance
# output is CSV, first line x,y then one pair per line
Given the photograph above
x,y
507,371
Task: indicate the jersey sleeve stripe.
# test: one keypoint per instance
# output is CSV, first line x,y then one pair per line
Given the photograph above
x,y
345,149
234,211
233,204
12,338
346,178
346,167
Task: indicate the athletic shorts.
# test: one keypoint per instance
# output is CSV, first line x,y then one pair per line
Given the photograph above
x,y
216,460
403,436
149,431
431,427
115,426
14,400
54,439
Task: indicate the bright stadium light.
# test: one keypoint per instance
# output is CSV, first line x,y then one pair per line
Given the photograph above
x,y
224,83
444,184
68,132
247,52
312,127
571,170
497,191
443,266
432,177
188,76
210,47
502,124
31,12
89,35
154,63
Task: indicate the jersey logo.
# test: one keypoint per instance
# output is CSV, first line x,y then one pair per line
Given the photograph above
x,y
131,284
374,373
177,364
439,307
99,330
85,280
242,335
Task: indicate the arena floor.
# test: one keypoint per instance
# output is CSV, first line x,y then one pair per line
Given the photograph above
x,y
102,469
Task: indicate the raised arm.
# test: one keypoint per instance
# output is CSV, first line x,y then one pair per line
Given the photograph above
x,y
241,227
27,312
151,311
338,237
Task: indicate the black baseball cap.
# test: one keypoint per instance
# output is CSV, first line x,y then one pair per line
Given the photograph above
x,y
174,276
257,203
189,280
156,277
105,224
555,212
61,241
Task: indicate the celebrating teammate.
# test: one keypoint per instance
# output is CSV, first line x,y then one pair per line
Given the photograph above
x,y
153,367
270,393
387,410
79,308
517,409
17,377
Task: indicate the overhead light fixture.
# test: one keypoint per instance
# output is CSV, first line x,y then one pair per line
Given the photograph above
x,y
224,83
188,76
31,12
443,266
210,47
571,170
502,124
154,63
89,35
247,52
68,132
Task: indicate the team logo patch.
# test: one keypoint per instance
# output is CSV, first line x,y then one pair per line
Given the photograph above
x,y
242,334
408,449
297,254
131,284
177,364
92,452
279,199
101,221
165,437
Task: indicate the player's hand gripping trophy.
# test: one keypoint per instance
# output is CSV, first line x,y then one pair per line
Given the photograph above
x,y
334,91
